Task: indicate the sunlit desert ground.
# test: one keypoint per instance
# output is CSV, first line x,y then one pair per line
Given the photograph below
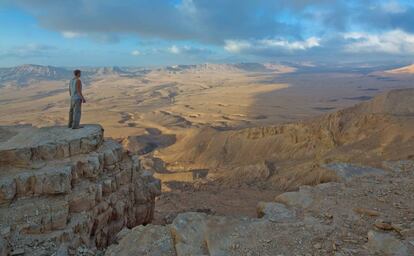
x,y
170,102
161,108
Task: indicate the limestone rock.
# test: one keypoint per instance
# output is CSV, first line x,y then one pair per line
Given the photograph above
x,y
275,212
300,199
346,171
4,248
64,189
112,152
29,143
188,231
328,219
124,232
386,244
149,240
7,189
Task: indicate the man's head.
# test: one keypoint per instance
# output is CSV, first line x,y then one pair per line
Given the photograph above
x,y
77,73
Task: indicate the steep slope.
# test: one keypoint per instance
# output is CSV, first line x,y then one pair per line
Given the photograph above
x,y
294,154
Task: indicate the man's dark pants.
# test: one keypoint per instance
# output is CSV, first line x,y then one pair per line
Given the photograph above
x,y
75,113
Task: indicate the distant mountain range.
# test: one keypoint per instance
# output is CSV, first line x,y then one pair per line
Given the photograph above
x,y
238,67
25,74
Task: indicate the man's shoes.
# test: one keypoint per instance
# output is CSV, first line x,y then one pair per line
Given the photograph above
x,y
78,127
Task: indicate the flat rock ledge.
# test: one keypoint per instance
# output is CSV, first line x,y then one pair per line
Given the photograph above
x,y
67,192
23,145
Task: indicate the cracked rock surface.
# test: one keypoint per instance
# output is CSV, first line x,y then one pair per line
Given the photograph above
x,y
68,192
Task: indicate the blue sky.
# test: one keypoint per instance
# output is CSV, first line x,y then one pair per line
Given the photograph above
x,y
164,32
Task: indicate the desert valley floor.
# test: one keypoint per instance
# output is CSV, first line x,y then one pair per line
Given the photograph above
x,y
173,115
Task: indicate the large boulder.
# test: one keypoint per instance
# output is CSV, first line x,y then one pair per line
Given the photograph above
x,y
298,199
275,212
189,230
149,240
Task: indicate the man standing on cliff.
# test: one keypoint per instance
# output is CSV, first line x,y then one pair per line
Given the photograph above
x,y
76,100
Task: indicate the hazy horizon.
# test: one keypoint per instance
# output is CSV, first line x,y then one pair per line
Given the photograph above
x,y
345,65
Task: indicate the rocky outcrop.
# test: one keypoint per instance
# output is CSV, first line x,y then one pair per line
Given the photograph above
x,y
364,215
64,189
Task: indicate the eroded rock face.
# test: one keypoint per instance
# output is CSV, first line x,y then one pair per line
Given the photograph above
x,y
61,189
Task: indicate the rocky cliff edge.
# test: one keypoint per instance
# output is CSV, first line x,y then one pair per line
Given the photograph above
x,y
65,191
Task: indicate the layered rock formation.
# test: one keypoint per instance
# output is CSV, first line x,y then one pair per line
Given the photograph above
x,y
63,189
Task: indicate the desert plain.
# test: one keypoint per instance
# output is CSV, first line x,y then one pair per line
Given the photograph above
x,y
172,115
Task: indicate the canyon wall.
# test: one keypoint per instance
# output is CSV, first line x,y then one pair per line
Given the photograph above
x,y
62,190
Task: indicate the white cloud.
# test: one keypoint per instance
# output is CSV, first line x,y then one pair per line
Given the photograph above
x,y
71,34
188,50
237,46
393,7
392,42
295,45
174,49
135,53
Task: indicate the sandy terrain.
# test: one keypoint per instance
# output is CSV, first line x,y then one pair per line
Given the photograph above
x,y
170,101
174,113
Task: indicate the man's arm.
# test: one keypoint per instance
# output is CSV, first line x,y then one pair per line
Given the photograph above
x,y
79,89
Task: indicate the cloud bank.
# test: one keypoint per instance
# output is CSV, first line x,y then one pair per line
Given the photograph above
x,y
249,27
